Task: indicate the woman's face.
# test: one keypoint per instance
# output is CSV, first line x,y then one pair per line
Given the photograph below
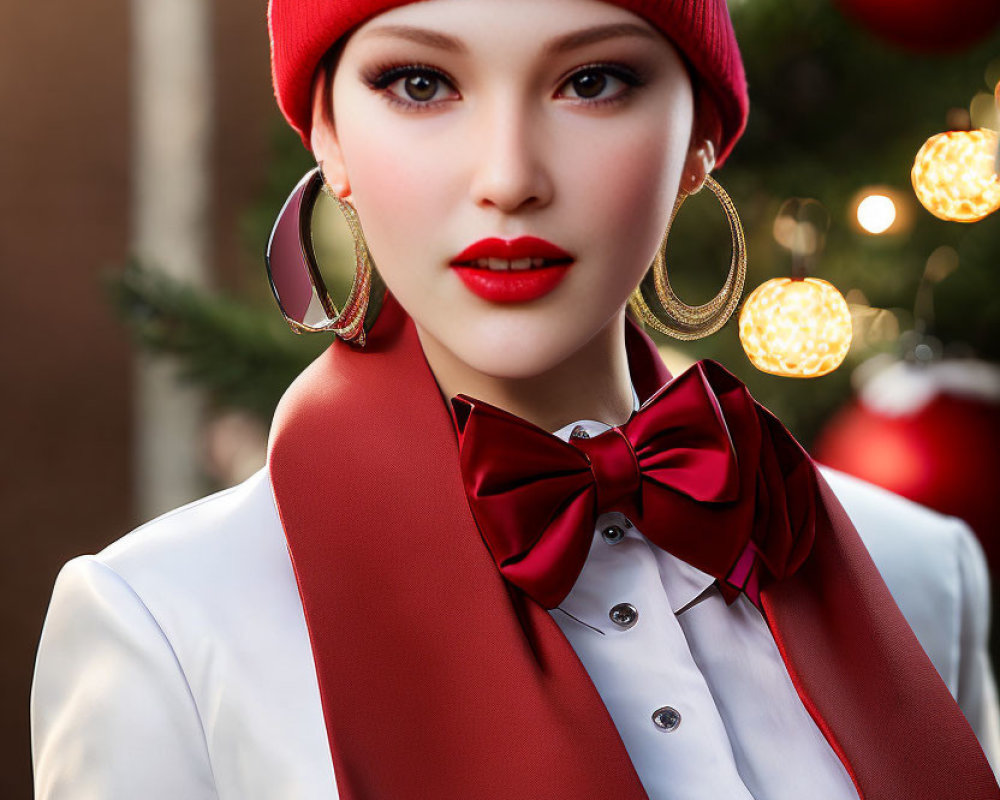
x,y
457,121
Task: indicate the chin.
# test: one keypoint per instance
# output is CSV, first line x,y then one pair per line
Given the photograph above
x,y
516,363
518,348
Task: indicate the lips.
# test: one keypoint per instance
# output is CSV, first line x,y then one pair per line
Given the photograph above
x,y
525,252
512,271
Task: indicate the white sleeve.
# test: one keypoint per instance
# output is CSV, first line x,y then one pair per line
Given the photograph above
x,y
977,692
112,715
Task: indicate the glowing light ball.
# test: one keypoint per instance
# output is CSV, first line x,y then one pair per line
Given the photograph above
x,y
796,327
876,213
954,175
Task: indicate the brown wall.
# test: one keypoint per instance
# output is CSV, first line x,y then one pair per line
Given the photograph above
x,y
65,361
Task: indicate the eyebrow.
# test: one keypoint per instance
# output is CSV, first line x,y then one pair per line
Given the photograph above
x,y
598,33
561,44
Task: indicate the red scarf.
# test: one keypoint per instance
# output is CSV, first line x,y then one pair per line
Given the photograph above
x,y
438,680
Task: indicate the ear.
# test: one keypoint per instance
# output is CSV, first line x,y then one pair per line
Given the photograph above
x,y
699,162
323,137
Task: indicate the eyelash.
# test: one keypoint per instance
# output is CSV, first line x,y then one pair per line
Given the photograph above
x,y
380,78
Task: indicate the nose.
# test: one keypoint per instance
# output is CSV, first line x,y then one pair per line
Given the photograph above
x,y
511,164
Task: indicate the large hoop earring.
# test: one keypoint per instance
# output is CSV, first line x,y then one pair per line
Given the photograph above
x,y
295,276
678,319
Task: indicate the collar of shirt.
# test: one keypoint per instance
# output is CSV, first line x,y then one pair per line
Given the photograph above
x,y
683,583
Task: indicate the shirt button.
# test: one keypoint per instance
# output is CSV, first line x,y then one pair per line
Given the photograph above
x,y
613,534
624,615
667,718
579,432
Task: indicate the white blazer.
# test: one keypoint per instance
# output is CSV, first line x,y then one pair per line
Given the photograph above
x,y
175,663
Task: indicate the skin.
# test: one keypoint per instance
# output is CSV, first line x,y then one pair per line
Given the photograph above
x,y
514,140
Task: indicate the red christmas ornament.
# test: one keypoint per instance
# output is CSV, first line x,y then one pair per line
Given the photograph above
x,y
929,432
926,25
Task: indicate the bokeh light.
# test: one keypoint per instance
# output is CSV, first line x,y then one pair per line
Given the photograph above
x,y
876,213
881,210
983,111
800,226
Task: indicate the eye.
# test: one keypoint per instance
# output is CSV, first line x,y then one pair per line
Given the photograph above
x,y
420,86
413,85
605,83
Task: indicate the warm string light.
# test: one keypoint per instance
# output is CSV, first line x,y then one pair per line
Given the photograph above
x,y
954,175
796,327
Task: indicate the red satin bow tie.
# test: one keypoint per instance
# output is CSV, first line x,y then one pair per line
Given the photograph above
x,y
702,469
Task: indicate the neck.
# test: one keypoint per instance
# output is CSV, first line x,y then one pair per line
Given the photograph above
x,y
592,383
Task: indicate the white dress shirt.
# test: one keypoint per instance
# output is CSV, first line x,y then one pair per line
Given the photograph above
x,y
731,724
176,662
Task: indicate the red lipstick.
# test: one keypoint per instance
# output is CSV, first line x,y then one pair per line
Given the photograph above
x,y
512,271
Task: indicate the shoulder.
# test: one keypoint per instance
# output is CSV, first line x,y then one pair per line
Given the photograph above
x,y
214,577
208,544
202,569
178,660
903,537
215,521
196,569
932,563
123,682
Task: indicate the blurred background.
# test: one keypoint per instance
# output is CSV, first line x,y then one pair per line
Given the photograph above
x,y
143,160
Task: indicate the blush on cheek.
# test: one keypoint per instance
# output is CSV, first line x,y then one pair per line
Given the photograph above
x,y
387,177
394,191
640,192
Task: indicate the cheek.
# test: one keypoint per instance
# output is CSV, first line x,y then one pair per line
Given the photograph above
x,y
391,189
632,188
639,191
399,185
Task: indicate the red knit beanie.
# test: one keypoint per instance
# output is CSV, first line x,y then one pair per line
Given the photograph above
x,y
302,31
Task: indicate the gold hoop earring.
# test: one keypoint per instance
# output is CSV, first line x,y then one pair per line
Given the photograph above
x,y
353,321
295,276
680,320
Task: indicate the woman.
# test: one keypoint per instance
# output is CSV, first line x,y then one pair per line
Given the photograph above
x,y
426,594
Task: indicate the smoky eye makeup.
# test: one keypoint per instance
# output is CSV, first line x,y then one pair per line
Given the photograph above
x,y
590,80
382,75
421,83
423,86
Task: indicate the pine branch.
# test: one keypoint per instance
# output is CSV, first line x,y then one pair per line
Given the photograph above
x,y
241,355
